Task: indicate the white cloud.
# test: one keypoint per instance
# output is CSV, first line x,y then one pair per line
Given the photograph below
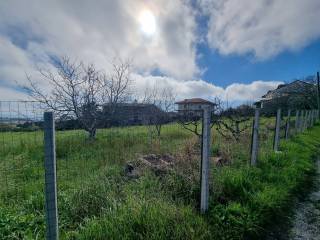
x,y
95,31
249,92
235,93
9,94
262,27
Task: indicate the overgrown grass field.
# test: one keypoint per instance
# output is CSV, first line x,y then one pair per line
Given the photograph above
x,y
97,200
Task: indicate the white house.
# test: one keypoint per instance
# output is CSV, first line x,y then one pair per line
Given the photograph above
x,y
194,104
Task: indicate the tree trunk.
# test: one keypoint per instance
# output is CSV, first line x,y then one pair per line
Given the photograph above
x,y
92,133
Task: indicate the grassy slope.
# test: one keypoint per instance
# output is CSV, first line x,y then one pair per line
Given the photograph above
x,y
245,202
109,206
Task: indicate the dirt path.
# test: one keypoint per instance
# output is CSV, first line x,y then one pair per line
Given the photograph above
x,y
306,222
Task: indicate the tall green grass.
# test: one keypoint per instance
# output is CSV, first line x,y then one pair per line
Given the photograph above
x,y
98,201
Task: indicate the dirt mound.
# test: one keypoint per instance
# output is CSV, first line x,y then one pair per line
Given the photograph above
x,y
158,163
157,159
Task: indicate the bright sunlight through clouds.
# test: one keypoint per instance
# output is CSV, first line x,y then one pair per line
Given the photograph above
x,y
147,22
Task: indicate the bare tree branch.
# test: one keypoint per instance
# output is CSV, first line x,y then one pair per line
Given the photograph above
x,y
78,90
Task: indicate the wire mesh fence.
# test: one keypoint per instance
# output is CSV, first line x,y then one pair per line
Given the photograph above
x,y
117,155
21,151
132,150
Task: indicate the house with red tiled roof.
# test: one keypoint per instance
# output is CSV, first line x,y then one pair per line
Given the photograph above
x,y
194,104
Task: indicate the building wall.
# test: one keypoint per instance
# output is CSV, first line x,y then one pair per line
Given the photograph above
x,y
191,107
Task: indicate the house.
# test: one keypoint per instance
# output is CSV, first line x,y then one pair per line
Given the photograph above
x,y
131,114
194,104
294,95
297,87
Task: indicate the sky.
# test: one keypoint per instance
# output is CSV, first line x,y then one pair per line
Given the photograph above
x,y
199,48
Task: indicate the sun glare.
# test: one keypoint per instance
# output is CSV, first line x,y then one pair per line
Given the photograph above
x,y
147,22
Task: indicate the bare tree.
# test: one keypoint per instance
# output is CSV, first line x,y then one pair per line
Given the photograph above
x,y
234,121
191,121
163,101
78,90
115,86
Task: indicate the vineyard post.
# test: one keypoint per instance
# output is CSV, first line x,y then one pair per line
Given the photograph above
x,y
288,124
308,119
306,123
301,121
255,137
312,118
304,120
318,84
297,121
205,161
50,177
277,131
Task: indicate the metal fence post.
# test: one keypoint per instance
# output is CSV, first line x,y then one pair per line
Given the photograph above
x,y
50,177
205,161
297,121
255,138
288,124
277,133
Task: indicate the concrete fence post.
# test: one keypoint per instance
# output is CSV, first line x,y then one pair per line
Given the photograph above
x,y
205,161
288,124
314,117
302,120
318,95
306,120
50,177
277,131
310,119
296,123
255,138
